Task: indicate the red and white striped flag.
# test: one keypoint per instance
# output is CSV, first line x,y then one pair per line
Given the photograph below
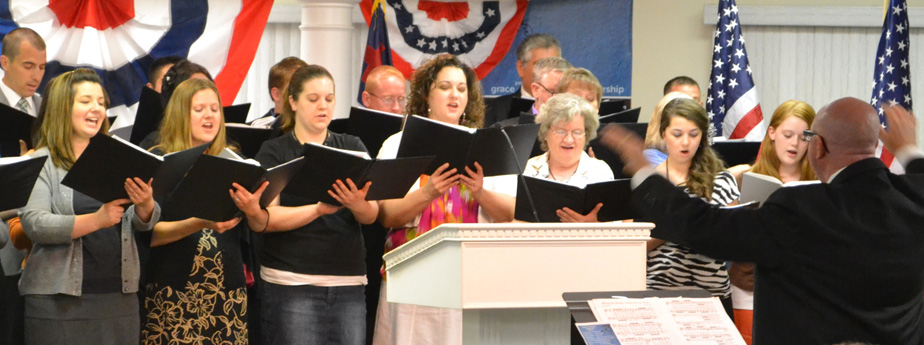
x,y
892,76
731,101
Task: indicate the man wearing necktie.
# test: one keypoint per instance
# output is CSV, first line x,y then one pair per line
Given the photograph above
x,y
23,62
22,58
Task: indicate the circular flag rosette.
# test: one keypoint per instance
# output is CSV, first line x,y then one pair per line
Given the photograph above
x,y
479,32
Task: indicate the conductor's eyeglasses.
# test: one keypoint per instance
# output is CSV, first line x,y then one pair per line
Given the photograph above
x,y
807,136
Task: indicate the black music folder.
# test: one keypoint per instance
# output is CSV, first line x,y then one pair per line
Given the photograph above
x,y
174,168
520,105
17,177
604,153
614,105
373,127
236,113
101,170
525,118
391,178
250,139
203,192
494,148
538,199
735,152
17,126
626,116
525,145
150,113
341,125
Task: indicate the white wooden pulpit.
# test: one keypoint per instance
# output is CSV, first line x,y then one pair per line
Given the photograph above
x,y
508,278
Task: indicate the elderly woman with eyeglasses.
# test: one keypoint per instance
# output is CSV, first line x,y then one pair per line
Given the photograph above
x,y
567,123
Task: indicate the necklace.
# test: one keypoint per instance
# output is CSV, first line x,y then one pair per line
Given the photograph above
x,y
667,173
326,136
556,179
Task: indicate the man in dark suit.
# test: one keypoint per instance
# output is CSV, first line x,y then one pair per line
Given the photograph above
x,y
533,48
546,74
839,261
386,90
23,61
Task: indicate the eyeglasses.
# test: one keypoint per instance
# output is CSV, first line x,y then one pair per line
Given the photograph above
x,y
807,136
546,89
577,133
390,100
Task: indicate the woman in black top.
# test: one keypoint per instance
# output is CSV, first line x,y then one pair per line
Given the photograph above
x,y
312,256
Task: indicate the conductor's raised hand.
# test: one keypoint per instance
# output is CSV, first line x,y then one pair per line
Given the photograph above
x,y
247,202
627,145
901,128
440,181
347,194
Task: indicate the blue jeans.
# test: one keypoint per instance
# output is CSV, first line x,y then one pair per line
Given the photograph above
x,y
308,314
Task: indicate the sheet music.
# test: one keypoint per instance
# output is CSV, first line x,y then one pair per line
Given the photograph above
x,y
650,321
597,333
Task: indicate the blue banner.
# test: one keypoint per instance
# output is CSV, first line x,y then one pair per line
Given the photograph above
x,y
594,34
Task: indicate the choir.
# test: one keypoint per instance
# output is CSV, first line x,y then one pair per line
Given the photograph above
x,y
293,270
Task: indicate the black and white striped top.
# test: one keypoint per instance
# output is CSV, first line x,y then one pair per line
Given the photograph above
x,y
674,267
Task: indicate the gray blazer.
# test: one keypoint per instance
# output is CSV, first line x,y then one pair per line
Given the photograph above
x,y
36,98
56,263
10,257
4,234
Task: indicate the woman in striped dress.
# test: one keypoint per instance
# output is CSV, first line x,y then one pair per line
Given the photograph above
x,y
692,165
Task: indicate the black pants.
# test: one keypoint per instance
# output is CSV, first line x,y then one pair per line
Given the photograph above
x,y
11,311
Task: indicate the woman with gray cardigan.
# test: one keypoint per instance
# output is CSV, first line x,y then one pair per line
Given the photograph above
x,y
80,280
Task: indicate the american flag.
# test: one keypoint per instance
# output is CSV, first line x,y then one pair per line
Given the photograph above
x,y
732,98
378,51
892,77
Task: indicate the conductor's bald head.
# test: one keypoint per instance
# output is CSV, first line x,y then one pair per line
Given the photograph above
x,y
848,131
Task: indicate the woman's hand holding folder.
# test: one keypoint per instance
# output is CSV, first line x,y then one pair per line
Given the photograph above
x,y
249,203
142,195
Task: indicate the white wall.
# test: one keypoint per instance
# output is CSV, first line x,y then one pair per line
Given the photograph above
x,y
281,39
814,64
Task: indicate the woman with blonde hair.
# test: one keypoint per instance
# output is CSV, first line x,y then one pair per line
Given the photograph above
x,y
655,151
783,157
81,278
193,256
784,148
582,82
